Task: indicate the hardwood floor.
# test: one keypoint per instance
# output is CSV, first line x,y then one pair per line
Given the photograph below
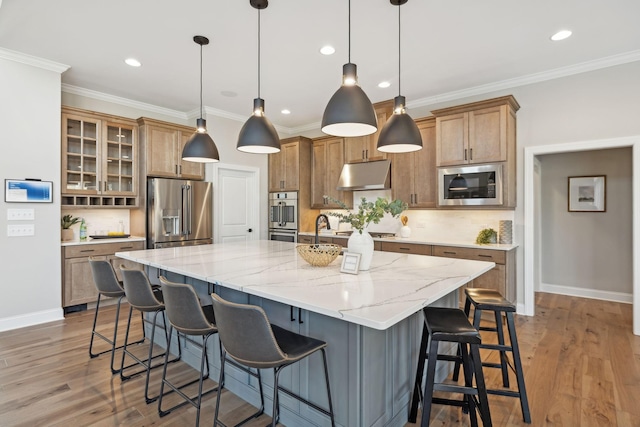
x,y
581,361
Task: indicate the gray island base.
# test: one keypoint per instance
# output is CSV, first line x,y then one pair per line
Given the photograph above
x,y
371,321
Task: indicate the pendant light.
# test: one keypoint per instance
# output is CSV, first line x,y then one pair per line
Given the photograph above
x,y
200,147
258,134
349,111
400,134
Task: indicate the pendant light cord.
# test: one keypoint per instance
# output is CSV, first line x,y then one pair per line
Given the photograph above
x,y
200,80
258,53
349,31
399,91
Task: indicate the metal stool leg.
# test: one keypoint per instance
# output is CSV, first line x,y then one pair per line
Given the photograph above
x,y
524,402
503,355
468,382
483,402
456,367
417,385
326,377
429,384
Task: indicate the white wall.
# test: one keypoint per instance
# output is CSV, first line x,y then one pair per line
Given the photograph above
x,y
577,247
30,123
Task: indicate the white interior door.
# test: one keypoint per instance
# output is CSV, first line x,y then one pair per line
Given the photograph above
x,y
237,204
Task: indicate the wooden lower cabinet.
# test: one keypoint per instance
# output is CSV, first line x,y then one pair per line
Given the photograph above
x,y
502,277
405,248
77,280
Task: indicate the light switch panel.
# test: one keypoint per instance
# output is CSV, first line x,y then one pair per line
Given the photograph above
x,y
21,214
21,230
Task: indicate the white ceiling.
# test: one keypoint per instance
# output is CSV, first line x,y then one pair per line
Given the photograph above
x,y
448,47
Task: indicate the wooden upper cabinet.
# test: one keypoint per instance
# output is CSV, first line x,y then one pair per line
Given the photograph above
x,y
364,148
413,175
326,166
163,144
482,132
284,166
99,156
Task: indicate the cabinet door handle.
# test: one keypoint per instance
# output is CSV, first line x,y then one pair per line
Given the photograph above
x,y
291,313
470,153
363,157
415,198
176,169
87,250
366,154
404,249
465,154
411,198
180,169
485,256
300,315
126,247
449,253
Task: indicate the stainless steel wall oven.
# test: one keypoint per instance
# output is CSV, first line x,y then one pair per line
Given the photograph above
x,y
283,216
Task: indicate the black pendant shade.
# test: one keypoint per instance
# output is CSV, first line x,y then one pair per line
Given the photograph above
x,y
400,134
258,134
200,147
458,183
349,111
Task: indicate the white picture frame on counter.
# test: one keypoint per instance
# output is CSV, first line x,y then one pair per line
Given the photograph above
x,y
350,263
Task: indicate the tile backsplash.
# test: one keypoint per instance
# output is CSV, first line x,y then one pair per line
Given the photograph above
x,y
100,221
449,225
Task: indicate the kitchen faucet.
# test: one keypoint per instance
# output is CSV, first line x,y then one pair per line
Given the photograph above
x,y
326,221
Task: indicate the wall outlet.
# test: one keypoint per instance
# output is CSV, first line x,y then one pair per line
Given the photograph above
x,y
421,225
21,230
21,214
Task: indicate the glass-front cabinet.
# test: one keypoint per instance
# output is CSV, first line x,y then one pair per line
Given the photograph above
x,y
99,160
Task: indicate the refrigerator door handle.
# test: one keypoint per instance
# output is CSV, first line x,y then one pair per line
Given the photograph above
x,y
282,221
190,208
184,211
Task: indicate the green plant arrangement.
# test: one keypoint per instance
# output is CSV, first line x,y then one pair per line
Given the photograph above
x,y
368,212
67,221
486,236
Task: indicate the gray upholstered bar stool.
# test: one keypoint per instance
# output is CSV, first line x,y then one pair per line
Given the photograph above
x,y
107,284
189,317
450,325
145,298
491,300
250,340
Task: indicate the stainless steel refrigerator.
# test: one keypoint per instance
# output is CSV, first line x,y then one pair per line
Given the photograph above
x,y
179,213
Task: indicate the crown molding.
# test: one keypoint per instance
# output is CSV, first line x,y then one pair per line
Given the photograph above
x,y
101,96
583,67
34,61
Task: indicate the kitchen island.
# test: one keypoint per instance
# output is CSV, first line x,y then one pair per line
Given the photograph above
x,y
371,321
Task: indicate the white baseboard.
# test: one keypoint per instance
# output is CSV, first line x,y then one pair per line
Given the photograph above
x,y
520,309
30,319
587,293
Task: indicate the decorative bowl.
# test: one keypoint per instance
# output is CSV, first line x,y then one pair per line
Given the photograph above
x,y
319,255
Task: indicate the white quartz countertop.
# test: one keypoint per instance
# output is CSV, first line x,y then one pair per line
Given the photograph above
x,y
91,241
456,243
396,286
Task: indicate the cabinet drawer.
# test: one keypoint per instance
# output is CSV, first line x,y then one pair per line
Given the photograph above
x,y
489,255
406,248
308,240
342,241
78,251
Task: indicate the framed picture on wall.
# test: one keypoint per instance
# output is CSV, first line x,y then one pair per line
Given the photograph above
x,y
587,193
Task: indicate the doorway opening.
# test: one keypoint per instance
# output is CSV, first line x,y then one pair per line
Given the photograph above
x,y
532,224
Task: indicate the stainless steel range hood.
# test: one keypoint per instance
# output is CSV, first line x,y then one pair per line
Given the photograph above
x,y
365,176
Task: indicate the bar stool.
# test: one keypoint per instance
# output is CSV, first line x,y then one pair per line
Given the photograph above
x,y
145,298
491,300
106,281
450,325
188,317
250,340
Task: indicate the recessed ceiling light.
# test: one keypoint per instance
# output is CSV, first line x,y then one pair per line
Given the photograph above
x,y
561,35
285,111
327,50
384,84
132,62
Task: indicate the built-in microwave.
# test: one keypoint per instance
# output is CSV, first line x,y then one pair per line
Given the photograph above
x,y
474,185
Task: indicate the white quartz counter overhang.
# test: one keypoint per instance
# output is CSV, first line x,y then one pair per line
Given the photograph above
x,y
396,286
